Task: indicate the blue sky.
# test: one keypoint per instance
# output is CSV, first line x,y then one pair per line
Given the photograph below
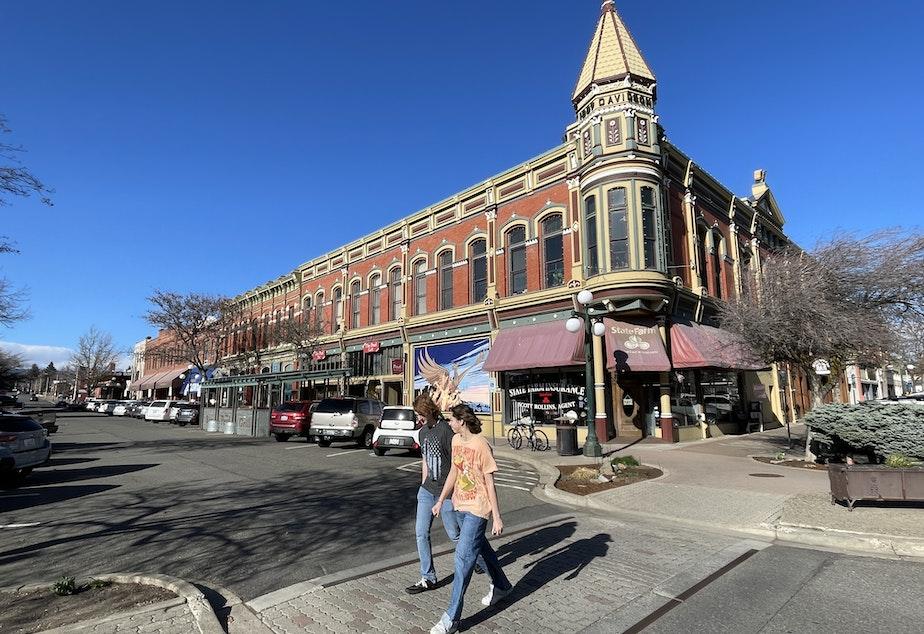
x,y
216,145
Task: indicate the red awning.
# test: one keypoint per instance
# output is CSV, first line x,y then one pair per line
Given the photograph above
x,y
700,346
545,345
166,379
635,347
144,383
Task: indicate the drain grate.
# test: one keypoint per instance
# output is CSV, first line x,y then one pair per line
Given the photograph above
x,y
765,475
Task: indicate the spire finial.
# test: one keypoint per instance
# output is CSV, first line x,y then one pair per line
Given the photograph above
x,y
608,6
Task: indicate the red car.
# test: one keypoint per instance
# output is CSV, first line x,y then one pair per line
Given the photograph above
x,y
291,419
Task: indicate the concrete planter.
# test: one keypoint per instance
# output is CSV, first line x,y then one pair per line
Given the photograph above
x,y
851,483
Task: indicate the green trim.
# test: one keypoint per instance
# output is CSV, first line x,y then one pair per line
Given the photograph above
x,y
273,377
560,315
451,333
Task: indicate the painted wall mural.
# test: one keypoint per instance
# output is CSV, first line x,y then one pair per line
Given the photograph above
x,y
456,372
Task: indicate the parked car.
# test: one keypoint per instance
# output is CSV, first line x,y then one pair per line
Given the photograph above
x,y
26,445
398,429
345,419
121,409
107,407
158,411
187,413
9,402
92,404
134,409
33,398
174,410
291,419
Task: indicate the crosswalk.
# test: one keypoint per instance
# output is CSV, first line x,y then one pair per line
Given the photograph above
x,y
510,474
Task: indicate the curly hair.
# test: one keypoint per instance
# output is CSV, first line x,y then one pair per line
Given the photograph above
x,y
425,406
465,414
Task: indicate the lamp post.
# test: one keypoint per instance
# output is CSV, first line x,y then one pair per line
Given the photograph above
x,y
584,319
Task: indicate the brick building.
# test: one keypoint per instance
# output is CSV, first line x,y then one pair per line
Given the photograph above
x,y
482,283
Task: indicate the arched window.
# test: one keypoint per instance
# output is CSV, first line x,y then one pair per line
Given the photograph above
x,y
747,275
717,264
254,327
619,228
277,325
291,312
337,310
394,290
266,331
445,277
592,264
701,255
650,227
319,309
516,260
553,252
478,263
375,299
354,304
420,288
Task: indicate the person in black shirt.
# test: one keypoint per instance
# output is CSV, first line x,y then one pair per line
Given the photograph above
x,y
435,440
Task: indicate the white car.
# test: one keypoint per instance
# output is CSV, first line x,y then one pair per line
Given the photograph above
x,y
24,445
92,404
398,429
119,410
158,410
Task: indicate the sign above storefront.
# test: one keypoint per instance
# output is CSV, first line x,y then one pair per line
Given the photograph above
x,y
371,346
397,366
635,347
319,355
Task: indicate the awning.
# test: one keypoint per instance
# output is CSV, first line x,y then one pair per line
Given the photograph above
x,y
165,379
635,346
144,383
699,346
544,345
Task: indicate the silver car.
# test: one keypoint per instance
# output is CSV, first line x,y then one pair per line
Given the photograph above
x,y
25,445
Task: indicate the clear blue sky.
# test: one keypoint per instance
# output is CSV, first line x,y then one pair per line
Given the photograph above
x,y
216,145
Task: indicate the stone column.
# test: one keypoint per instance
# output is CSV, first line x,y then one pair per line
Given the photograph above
x,y
601,415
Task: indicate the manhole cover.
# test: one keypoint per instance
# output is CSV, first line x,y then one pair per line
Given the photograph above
x,y
765,475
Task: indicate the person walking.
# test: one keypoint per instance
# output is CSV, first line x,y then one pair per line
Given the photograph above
x,y
435,439
474,498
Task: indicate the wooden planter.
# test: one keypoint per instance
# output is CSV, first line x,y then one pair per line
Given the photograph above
x,y
853,483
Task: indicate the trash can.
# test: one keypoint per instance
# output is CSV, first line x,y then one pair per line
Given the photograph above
x,y
566,440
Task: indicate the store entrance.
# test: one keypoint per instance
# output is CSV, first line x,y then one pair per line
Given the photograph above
x,y
635,400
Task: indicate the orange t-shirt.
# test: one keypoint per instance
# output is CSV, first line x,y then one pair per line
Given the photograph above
x,y
472,459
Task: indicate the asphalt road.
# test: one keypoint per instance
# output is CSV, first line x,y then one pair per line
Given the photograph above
x,y
252,515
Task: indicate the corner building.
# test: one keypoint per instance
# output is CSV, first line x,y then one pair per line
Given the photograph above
x,y
481,284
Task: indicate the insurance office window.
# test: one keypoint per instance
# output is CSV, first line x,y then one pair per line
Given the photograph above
x,y
619,228
420,288
478,259
375,299
445,272
553,252
592,264
354,304
650,227
395,292
338,309
516,258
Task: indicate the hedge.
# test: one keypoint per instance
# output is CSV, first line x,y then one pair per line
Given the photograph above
x,y
882,428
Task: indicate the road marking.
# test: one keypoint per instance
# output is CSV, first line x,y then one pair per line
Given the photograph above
x,y
28,525
343,453
510,486
520,480
302,446
20,495
413,467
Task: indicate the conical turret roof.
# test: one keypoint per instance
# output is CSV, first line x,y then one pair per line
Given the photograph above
x,y
612,55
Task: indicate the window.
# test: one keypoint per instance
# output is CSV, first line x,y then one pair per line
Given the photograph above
x,y
338,309
395,291
746,272
478,261
516,260
375,299
592,261
420,288
277,324
306,308
701,255
445,270
649,227
266,330
318,308
553,252
619,228
291,312
717,264
354,304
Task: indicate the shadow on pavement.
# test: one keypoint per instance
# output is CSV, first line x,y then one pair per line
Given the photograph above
x,y
57,462
86,446
41,477
535,543
21,499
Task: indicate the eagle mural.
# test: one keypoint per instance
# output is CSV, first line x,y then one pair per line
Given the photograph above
x,y
444,385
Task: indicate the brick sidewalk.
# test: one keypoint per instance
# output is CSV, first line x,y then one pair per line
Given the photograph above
x,y
568,576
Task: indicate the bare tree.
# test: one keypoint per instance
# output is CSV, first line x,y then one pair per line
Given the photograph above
x,y
11,299
199,322
301,335
16,180
95,356
842,302
9,366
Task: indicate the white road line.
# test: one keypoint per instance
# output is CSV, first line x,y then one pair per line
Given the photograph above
x,y
20,495
302,446
30,524
343,453
510,486
413,467
501,478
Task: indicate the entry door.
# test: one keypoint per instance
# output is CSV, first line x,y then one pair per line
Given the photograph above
x,y
630,406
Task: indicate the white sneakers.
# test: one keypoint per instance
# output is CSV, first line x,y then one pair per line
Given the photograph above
x,y
439,628
494,596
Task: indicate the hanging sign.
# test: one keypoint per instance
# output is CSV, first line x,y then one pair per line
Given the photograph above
x,y
821,367
371,346
319,355
397,366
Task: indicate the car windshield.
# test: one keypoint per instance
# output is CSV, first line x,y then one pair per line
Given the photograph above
x,y
12,425
190,406
290,407
336,406
158,404
399,414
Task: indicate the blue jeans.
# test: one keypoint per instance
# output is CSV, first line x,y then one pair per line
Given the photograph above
x,y
425,502
472,544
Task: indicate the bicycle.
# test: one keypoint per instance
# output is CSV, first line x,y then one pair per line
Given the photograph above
x,y
535,438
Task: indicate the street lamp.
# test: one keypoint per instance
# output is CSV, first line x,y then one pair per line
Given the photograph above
x,y
592,327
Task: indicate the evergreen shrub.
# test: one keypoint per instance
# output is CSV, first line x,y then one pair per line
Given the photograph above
x,y
880,428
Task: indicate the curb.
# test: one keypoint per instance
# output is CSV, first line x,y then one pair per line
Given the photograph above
x,y
868,543
195,600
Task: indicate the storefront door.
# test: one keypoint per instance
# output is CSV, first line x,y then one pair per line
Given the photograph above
x,y
630,405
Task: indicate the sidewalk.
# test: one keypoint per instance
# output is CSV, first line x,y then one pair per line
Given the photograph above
x,y
716,484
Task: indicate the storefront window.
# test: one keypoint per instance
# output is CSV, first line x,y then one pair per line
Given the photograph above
x,y
721,397
543,396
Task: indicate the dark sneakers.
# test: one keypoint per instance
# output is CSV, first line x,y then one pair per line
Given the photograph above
x,y
421,586
479,570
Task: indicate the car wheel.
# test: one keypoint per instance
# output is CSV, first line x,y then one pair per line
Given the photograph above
x,y
366,440
379,451
181,424
281,437
323,443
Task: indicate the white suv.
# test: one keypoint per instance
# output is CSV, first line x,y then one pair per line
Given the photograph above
x,y
398,429
158,410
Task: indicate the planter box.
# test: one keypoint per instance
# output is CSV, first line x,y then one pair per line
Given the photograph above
x,y
873,482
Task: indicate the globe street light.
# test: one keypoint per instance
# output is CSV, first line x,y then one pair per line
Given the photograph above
x,y
592,448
